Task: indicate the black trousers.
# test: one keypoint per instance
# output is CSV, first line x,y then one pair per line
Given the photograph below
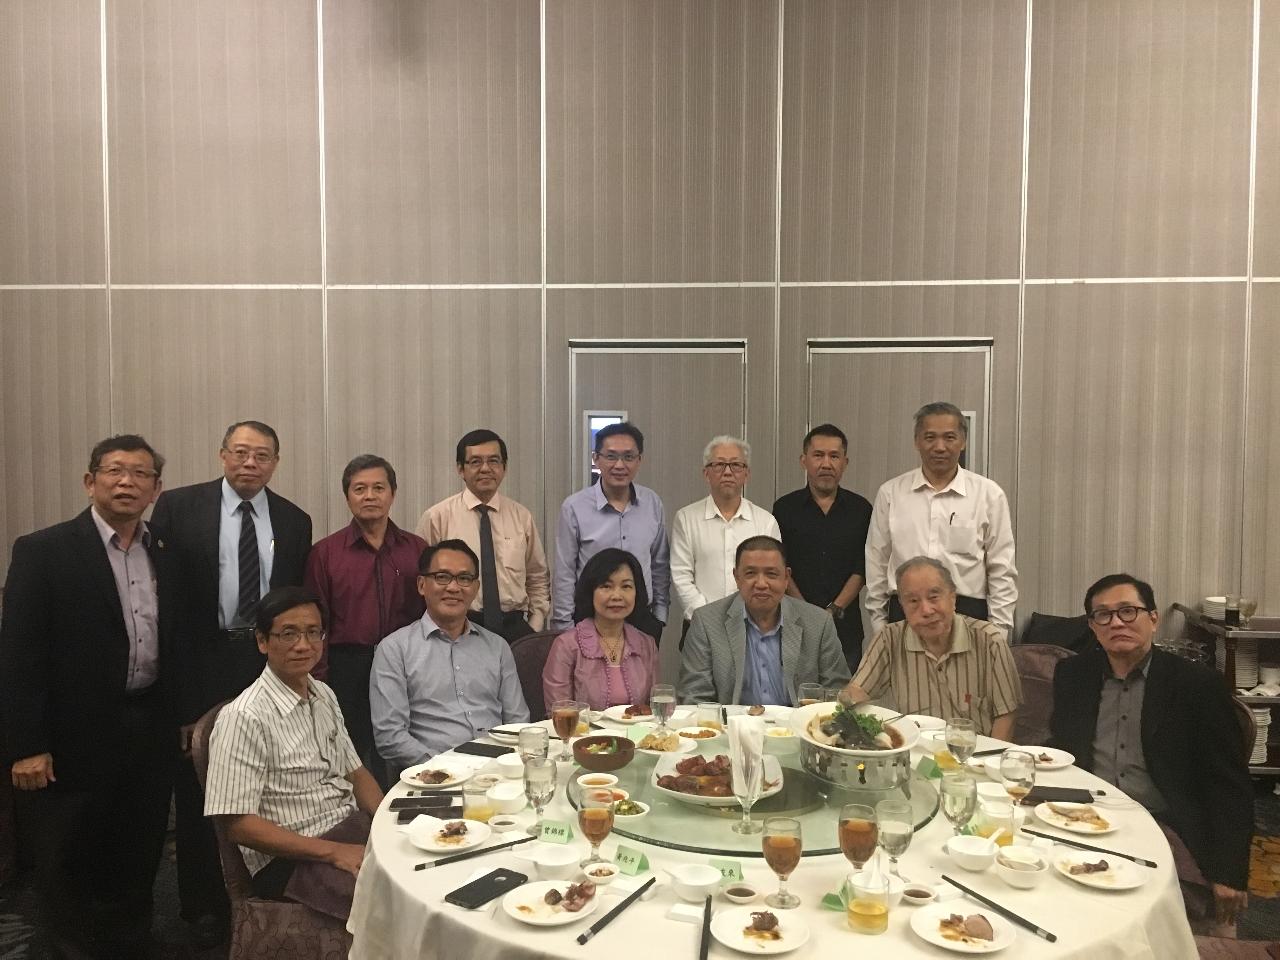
x,y
514,625
349,668
96,838
200,886
975,607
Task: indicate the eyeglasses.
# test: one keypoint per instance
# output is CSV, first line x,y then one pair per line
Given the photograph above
x,y
618,457
1127,614
314,635
242,454
443,579
720,466
116,473
475,463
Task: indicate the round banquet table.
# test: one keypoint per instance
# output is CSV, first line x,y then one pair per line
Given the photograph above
x,y
400,914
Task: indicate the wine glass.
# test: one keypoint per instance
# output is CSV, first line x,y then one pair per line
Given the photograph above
x,y
959,799
539,787
595,819
962,739
893,818
533,742
564,717
858,834
782,849
747,788
662,700
1018,773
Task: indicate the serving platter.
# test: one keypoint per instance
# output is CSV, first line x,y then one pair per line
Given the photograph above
x,y
801,717
666,766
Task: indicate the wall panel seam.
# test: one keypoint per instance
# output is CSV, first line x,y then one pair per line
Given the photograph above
x,y
1248,289
326,438
106,216
777,255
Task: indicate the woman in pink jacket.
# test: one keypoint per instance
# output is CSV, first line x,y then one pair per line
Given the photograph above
x,y
604,660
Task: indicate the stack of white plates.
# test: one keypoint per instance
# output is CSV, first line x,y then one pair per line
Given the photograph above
x,y
1261,716
1246,663
1215,608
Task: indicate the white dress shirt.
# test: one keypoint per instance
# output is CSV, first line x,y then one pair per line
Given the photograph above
x,y
965,526
229,520
703,544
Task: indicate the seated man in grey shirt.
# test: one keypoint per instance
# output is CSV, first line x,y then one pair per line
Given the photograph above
x,y
442,680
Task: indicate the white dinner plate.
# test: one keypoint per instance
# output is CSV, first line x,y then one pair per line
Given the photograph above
x,y
422,832
615,714
509,733
727,927
686,746
458,774
1045,812
1059,759
924,923
525,903
667,765
926,722
1121,874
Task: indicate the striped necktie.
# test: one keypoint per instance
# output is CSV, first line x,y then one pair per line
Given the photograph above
x,y
250,567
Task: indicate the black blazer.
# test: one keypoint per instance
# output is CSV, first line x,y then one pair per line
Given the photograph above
x,y
1191,746
187,520
64,652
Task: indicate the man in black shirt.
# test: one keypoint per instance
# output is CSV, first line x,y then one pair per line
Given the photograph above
x,y
824,528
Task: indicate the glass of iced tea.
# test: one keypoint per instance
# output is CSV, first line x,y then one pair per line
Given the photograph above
x,y
709,716
782,848
859,832
564,717
808,693
595,820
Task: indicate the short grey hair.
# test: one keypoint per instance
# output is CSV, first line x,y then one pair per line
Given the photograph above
x,y
941,408
723,440
916,562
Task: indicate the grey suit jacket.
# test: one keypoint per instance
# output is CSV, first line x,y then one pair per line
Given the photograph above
x,y
715,650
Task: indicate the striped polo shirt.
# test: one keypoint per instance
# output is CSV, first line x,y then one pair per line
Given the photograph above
x,y
282,757
976,678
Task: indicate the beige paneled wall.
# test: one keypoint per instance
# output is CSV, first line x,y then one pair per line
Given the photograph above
x,y
379,224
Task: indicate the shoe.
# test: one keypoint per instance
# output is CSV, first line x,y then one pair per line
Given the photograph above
x,y
208,931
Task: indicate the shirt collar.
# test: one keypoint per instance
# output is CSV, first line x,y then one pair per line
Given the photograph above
x,y
960,642
710,511
108,533
958,485
355,536
1143,668
601,501
752,625
431,630
231,500
471,501
281,696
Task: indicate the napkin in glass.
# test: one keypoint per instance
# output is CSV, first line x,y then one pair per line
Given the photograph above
x,y
746,756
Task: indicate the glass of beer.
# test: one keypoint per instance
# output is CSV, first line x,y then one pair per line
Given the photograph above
x,y
782,848
564,717
808,693
867,900
595,820
859,832
962,739
662,701
709,716
1017,773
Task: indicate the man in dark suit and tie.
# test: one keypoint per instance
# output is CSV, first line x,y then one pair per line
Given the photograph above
x,y
86,673
233,540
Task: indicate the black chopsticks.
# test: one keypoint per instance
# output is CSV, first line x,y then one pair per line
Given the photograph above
x,y
1005,912
608,917
705,943
469,854
1084,846
988,753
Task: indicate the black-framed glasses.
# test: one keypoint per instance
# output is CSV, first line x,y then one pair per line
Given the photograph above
x,y
612,457
1127,614
116,472
720,466
475,463
443,579
314,635
242,454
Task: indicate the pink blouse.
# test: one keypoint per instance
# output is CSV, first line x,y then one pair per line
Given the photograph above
x,y
577,668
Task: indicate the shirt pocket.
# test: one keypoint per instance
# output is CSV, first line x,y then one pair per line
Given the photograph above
x,y
510,553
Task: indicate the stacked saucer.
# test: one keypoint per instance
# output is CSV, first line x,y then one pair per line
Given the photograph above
x,y
1261,716
1215,608
1246,677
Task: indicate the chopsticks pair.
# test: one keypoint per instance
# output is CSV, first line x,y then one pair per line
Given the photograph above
x,y
631,898
1005,912
454,858
1085,846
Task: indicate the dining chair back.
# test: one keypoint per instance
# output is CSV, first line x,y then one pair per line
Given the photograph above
x,y
1036,663
1248,726
531,653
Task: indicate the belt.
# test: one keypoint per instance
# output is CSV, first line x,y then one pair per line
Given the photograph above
x,y
238,635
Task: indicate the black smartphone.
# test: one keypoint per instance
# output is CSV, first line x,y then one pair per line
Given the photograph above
x,y
483,749
440,800
441,813
479,892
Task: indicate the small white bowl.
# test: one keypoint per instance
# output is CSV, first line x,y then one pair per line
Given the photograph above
x,y
511,766
694,882
551,862
917,895
611,874
972,853
506,797
858,880
701,732
627,817
1023,879
503,822
594,781
741,893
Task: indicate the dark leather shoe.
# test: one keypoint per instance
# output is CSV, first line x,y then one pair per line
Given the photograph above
x,y
208,931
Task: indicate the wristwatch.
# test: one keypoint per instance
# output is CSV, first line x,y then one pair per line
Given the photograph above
x,y
836,611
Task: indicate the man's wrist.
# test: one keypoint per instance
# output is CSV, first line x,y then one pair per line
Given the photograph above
x,y
836,611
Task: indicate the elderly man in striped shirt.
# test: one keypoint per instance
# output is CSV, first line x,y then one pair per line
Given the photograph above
x,y
283,771
937,662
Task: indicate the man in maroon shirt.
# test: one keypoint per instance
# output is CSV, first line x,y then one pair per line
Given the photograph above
x,y
366,574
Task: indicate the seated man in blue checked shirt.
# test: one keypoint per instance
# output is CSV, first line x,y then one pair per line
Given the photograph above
x,y
283,771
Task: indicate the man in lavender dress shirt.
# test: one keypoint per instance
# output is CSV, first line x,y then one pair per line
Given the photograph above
x,y
616,512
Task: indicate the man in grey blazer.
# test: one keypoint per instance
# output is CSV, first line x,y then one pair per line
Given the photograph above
x,y
758,645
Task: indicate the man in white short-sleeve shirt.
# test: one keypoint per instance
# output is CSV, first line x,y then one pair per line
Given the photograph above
x,y
283,770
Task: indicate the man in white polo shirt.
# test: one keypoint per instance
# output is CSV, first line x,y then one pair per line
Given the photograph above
x,y
283,771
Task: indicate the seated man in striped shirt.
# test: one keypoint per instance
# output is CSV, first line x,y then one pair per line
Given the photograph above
x,y
937,662
283,771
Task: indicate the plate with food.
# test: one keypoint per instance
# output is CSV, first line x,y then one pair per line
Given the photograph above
x,y
706,781
446,836
550,903
629,713
698,734
661,744
1074,817
1103,871
1050,758
952,927
859,731
760,931
436,775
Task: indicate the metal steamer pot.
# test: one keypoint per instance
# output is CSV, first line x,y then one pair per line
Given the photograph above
x,y
856,770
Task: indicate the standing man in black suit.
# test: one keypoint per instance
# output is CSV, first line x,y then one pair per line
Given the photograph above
x,y
234,540
86,671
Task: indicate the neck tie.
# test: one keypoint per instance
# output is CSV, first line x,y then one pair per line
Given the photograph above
x,y
491,603
250,568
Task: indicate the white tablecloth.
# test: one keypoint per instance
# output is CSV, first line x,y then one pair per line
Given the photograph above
x,y
400,914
